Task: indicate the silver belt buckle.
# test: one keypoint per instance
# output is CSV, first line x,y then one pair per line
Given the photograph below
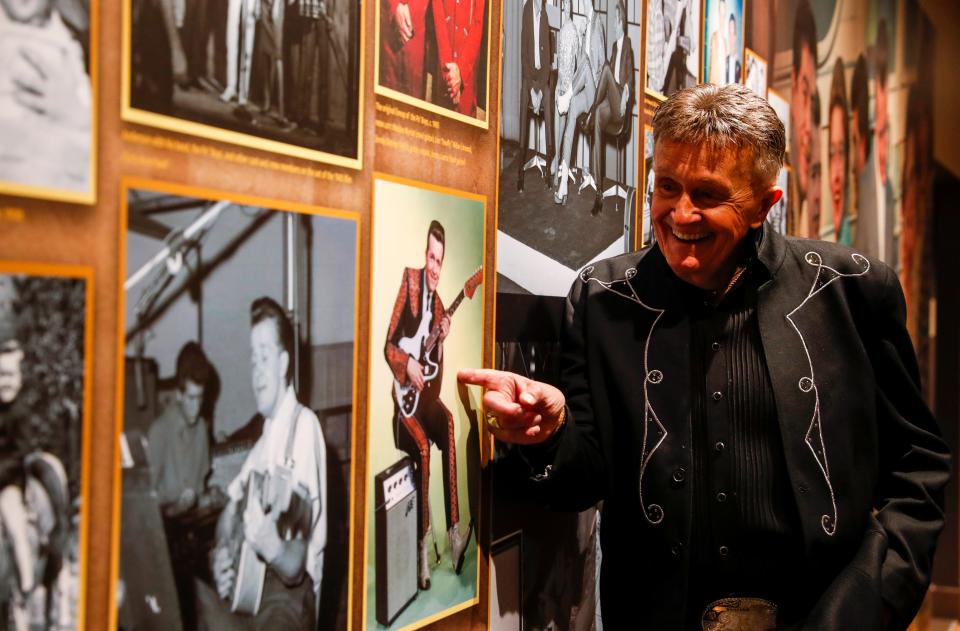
x,y
740,614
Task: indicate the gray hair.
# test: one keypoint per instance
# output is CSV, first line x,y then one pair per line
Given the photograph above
x,y
722,117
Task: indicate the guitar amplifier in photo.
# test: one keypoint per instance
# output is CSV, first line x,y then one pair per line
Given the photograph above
x,y
396,540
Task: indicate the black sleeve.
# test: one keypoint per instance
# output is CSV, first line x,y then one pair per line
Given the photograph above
x,y
914,462
569,469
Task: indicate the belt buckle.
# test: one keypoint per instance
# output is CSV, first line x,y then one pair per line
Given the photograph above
x,y
740,614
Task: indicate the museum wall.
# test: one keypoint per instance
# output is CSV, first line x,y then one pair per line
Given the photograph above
x,y
165,163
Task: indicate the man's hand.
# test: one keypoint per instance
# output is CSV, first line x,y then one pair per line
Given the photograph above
x,y
186,501
223,574
48,88
415,373
403,22
518,410
623,100
454,81
260,531
444,327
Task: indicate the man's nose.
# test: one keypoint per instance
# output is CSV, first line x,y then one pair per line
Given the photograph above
x,y
685,212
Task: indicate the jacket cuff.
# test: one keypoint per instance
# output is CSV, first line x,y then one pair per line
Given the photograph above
x,y
539,457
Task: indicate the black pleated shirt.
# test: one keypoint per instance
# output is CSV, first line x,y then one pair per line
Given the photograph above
x,y
745,532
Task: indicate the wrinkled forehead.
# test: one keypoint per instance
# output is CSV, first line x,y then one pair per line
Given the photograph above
x,y
671,156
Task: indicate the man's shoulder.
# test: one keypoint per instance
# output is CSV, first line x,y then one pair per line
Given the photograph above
x,y
615,267
859,268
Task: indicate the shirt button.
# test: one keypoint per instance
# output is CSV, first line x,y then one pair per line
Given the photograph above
x,y
719,446
721,497
724,551
715,346
717,395
679,475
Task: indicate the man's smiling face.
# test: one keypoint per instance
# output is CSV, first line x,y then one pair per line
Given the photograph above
x,y
704,203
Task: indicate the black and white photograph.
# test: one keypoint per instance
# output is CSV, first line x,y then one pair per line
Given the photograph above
x,y
673,46
755,72
723,41
436,56
569,130
278,75
238,412
45,361
47,100
647,233
559,552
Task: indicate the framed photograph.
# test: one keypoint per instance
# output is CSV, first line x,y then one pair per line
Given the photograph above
x,y
237,390
423,454
779,215
435,56
755,72
567,185
646,221
782,107
46,350
723,36
48,107
285,77
673,49
506,583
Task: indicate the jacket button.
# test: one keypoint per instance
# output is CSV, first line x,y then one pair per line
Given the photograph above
x,y
719,446
721,497
677,548
679,475
717,395
715,346
724,551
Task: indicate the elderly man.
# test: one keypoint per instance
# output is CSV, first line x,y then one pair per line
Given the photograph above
x,y
746,405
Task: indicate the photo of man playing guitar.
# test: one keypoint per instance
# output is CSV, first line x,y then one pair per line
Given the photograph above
x,y
271,537
419,324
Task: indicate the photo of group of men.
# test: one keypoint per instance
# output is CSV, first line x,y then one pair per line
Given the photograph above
x,y
277,74
44,347
569,139
238,415
434,53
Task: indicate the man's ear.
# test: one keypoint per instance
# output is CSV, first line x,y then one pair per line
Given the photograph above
x,y
773,195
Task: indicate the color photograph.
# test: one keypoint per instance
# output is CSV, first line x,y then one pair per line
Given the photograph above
x,y
723,42
423,457
47,108
569,139
435,56
755,72
45,366
673,46
237,395
285,77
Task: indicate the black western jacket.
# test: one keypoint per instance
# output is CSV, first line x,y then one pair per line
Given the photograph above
x,y
866,461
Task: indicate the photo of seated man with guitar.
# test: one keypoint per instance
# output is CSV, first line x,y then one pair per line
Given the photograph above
x,y
419,324
268,561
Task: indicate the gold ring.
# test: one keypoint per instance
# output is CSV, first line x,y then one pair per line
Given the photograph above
x,y
493,421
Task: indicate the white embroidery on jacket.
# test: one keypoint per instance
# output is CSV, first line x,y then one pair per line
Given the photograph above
x,y
814,435
651,422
